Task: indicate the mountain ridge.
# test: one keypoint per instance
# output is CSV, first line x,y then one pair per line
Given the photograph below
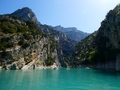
x,y
72,32
101,49
23,46
28,14
64,45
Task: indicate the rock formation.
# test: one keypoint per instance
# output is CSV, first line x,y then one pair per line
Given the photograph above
x,y
26,14
23,46
51,45
101,48
118,63
65,46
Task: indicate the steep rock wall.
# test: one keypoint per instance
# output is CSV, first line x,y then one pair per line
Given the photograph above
x,y
101,48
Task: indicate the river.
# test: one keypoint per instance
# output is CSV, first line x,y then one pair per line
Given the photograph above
x,y
59,79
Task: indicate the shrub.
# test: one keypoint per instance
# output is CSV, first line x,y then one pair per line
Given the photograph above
x,y
14,17
21,42
92,56
10,44
25,45
49,61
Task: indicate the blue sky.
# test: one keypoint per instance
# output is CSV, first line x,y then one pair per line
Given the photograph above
x,y
85,15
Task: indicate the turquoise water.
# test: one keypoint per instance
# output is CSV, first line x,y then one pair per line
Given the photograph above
x,y
60,79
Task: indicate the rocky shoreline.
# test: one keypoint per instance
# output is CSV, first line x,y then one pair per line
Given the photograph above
x,y
28,66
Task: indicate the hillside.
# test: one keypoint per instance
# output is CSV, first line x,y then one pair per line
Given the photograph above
x,y
23,46
22,33
102,48
65,45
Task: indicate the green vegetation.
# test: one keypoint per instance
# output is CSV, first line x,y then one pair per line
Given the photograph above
x,y
7,26
15,17
52,45
4,43
3,53
38,62
97,48
92,55
49,61
25,45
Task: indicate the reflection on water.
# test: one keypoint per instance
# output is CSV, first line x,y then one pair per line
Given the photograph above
x,y
59,79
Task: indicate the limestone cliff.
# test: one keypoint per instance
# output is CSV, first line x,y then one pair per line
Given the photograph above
x,y
65,46
101,48
26,14
23,46
23,31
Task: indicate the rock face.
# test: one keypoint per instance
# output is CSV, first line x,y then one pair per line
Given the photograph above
x,y
118,63
107,65
103,46
34,56
23,46
65,46
26,14
58,46
72,33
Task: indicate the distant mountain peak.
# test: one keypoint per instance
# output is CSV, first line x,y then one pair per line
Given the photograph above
x,y
72,32
60,27
26,14
26,8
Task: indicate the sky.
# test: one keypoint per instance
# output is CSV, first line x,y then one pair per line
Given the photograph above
x,y
85,15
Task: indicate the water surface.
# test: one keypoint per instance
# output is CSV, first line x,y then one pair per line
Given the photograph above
x,y
60,79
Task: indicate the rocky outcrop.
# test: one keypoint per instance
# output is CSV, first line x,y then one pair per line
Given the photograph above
x,y
65,46
101,47
58,46
33,56
72,33
118,63
26,14
22,46
0,67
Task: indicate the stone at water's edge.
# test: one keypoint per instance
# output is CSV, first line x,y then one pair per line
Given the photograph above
x,y
118,63
0,67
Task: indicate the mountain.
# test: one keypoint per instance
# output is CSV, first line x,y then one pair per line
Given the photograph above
x,y
26,14
64,43
72,33
33,44
101,49
23,46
